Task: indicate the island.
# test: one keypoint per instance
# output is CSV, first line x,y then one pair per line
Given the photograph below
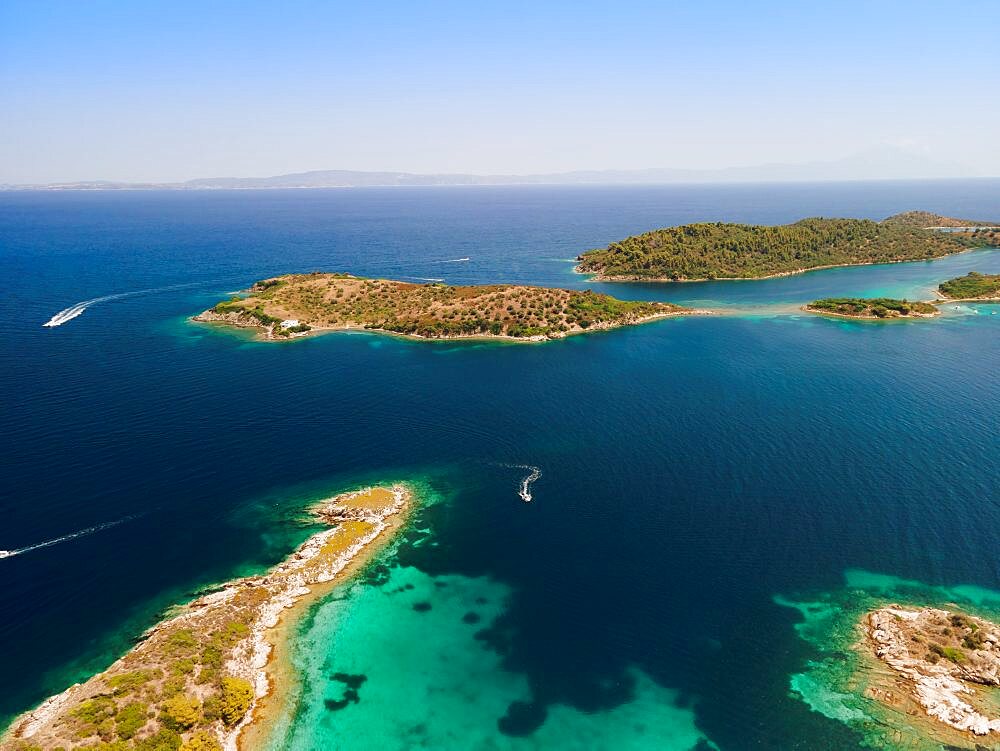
x,y
699,252
215,674
943,663
872,308
296,304
971,287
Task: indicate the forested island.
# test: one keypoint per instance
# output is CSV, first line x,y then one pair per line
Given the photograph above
x,y
874,308
704,251
211,677
972,286
295,304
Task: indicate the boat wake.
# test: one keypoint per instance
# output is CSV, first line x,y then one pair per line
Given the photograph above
x,y
524,490
455,260
66,538
68,314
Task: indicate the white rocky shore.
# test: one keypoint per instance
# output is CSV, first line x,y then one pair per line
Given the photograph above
x,y
292,581
356,520
942,655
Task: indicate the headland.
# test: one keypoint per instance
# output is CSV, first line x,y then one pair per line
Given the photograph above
x,y
212,675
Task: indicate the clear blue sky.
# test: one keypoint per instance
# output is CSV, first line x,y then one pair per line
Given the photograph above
x,y
136,90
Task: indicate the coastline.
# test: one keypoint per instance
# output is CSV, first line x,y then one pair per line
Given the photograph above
x,y
282,681
360,523
220,321
938,684
887,319
942,300
597,276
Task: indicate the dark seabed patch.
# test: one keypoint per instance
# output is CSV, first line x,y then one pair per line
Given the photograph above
x,y
522,718
352,685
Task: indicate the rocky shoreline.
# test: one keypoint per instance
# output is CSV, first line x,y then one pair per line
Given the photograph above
x,y
267,331
944,661
237,625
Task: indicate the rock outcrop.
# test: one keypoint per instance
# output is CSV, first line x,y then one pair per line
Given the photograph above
x,y
943,657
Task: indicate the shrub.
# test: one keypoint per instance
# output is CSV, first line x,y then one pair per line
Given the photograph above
x,y
180,712
96,717
164,740
235,700
202,741
234,631
211,708
125,683
954,654
181,641
173,686
211,656
130,718
93,711
184,666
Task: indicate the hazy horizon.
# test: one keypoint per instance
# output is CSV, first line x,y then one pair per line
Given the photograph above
x,y
169,92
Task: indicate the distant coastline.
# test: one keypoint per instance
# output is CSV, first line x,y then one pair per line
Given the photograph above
x,y
882,166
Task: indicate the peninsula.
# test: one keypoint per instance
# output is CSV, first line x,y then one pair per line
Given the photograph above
x,y
873,308
295,304
942,663
973,286
698,252
208,678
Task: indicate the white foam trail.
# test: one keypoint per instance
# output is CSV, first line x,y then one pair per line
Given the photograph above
x,y
76,309
423,278
525,489
455,260
64,538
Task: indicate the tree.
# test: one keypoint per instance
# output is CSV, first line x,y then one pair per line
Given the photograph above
x,y
180,712
236,697
202,741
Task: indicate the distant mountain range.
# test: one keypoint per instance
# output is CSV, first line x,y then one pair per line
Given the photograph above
x,y
876,164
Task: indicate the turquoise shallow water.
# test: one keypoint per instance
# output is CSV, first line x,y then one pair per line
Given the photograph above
x,y
834,682
691,470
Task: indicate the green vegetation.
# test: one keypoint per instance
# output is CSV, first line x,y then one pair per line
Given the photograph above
x,y
875,307
202,741
744,251
954,654
172,691
130,718
971,286
124,684
162,740
429,310
117,719
235,701
180,712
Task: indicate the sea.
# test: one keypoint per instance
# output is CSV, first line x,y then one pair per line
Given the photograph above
x,y
694,483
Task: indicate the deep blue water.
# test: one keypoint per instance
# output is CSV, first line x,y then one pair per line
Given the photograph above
x,y
692,469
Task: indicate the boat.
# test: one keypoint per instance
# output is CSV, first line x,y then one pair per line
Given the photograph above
x,y
6,553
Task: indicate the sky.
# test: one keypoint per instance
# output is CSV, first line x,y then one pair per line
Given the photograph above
x,y
166,91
